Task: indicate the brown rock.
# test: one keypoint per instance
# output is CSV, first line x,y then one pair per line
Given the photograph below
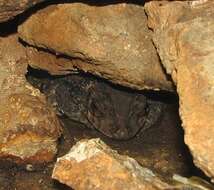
x,y
11,8
49,62
118,48
163,15
91,164
29,128
186,48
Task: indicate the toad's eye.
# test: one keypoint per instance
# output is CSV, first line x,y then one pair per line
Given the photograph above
x,y
44,87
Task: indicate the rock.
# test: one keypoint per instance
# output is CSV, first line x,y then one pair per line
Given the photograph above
x,y
42,60
10,8
91,164
163,15
118,48
186,47
29,130
193,182
29,127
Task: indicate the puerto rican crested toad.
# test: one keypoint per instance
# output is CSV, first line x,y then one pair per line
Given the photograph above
x,y
114,112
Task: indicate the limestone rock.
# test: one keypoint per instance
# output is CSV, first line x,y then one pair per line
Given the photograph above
x,y
11,8
110,41
186,48
91,164
29,129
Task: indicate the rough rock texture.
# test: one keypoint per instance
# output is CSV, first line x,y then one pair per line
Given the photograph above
x,y
109,41
11,8
46,61
194,183
91,164
29,129
183,35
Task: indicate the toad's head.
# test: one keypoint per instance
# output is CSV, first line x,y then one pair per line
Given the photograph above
x,y
115,113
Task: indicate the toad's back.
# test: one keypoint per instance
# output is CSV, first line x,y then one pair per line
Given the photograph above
x,y
112,111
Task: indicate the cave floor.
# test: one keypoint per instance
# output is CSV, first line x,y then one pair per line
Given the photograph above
x,y
160,148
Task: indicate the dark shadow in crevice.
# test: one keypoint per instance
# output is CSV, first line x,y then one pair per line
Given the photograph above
x,y
9,27
194,170
61,186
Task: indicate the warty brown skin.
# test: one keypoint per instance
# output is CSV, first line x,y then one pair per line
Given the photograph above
x,y
116,113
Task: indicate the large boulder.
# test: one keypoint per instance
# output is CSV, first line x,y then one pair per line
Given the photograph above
x,y
29,128
110,41
183,35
